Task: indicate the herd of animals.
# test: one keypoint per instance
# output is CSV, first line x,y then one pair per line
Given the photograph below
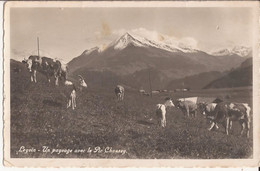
x,y
217,113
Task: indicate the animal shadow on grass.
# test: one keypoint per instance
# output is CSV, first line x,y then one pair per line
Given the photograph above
x,y
51,103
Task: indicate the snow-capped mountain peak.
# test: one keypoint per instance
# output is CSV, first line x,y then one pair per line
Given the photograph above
x,y
125,40
139,41
241,50
89,51
236,50
222,52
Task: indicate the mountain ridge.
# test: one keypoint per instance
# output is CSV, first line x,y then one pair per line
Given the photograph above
x,y
238,77
128,55
238,50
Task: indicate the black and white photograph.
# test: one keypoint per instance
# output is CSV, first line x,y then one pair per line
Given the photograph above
x,y
100,81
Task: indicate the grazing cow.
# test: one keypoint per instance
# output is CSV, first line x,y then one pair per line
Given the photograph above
x,y
47,66
161,111
187,107
226,112
207,109
72,99
155,92
141,91
193,99
146,94
68,82
120,92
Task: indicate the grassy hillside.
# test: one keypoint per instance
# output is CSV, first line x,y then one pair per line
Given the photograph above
x,y
39,117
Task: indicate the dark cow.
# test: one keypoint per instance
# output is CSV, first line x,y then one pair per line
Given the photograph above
x,y
226,112
47,66
187,107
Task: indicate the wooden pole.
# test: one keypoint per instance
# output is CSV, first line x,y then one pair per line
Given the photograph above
x,y
183,90
38,45
150,83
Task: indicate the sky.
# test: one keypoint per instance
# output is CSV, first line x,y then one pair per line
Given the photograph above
x,y
65,33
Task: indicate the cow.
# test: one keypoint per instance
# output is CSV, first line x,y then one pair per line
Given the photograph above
x,y
49,67
72,98
155,91
161,111
67,82
146,94
141,91
193,99
120,92
188,107
82,83
207,109
227,112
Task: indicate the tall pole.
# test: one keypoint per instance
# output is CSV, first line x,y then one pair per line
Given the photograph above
x,y
150,83
183,90
38,45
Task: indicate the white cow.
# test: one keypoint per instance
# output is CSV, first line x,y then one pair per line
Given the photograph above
x,y
192,99
82,83
67,82
120,92
161,111
141,91
72,99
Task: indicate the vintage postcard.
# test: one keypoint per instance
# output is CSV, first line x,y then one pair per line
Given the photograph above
x,y
131,84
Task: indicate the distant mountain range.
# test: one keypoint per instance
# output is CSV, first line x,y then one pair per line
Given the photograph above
x,y
197,81
130,58
238,77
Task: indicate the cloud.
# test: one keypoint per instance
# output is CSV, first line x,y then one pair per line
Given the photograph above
x,y
188,42
150,34
119,32
105,29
